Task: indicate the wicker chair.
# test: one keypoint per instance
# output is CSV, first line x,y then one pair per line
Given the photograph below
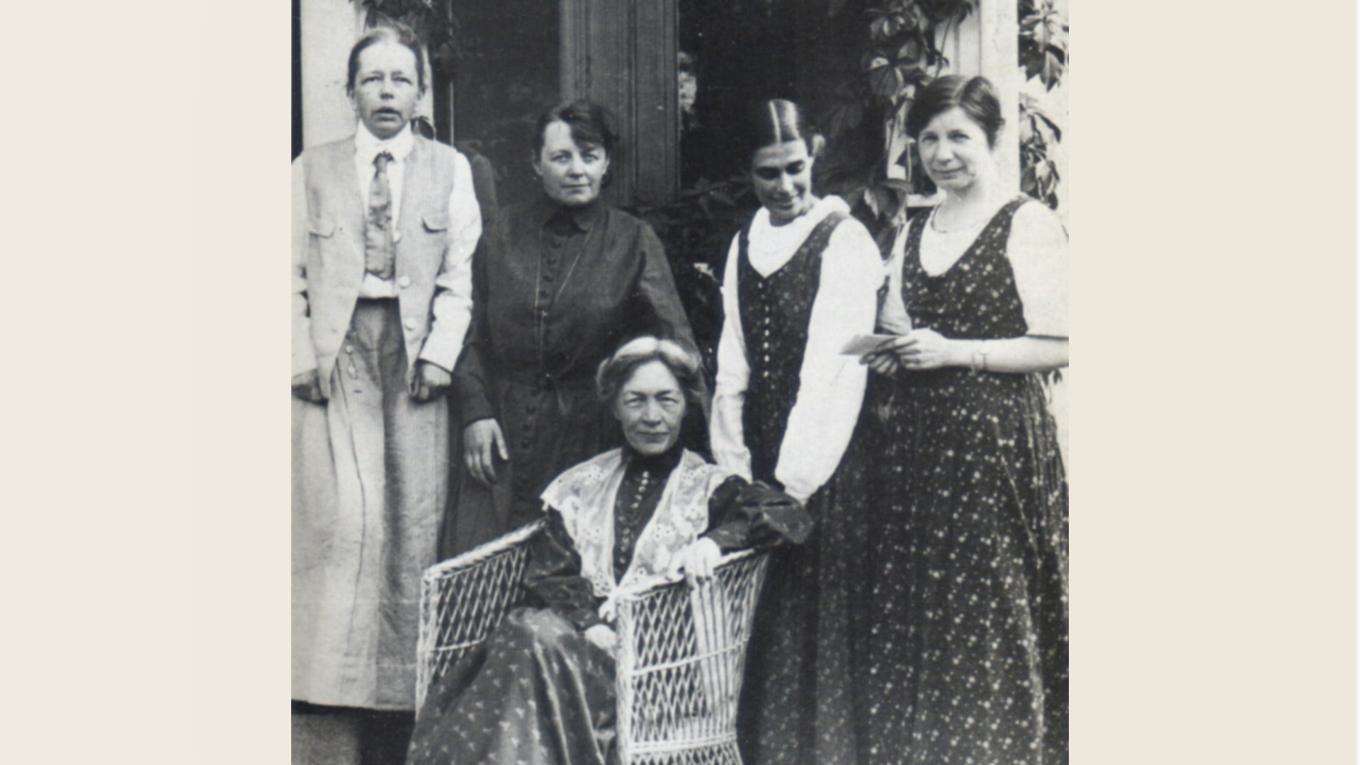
x,y
681,653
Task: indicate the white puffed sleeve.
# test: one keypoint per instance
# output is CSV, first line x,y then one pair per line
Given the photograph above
x,y
1037,250
831,384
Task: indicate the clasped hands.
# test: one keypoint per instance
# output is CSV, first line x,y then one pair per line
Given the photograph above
x,y
919,349
431,381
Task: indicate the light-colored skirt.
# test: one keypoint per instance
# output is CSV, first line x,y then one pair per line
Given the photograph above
x,y
370,471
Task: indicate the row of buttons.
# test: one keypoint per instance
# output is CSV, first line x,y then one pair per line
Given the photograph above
x,y
628,524
764,324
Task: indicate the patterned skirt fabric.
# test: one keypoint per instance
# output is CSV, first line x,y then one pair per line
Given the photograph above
x,y
798,702
966,658
538,693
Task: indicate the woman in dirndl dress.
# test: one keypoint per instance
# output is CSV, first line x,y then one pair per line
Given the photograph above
x,y
966,660
801,280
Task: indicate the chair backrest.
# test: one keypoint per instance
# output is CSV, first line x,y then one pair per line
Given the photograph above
x,y
463,599
682,654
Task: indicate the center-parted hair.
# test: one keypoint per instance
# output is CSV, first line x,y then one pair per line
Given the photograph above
x,y
398,34
777,120
681,361
974,95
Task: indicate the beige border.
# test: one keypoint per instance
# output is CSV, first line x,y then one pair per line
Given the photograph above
x,y
242,527
1213,418
1212,148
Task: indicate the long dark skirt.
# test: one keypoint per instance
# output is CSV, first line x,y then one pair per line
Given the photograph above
x,y
966,660
538,693
798,704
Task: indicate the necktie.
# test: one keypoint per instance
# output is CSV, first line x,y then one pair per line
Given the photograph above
x,y
378,248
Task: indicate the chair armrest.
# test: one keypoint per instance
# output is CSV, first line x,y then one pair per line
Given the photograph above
x,y
481,552
682,654
463,599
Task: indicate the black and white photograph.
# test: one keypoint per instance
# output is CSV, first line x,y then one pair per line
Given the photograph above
x,y
682,382
679,382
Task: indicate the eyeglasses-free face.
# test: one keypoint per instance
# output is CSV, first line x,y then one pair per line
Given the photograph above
x,y
651,406
386,88
781,175
571,172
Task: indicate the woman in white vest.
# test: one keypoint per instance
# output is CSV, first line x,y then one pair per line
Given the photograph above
x,y
384,226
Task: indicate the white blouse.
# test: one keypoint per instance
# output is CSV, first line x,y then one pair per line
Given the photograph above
x,y
831,385
1036,249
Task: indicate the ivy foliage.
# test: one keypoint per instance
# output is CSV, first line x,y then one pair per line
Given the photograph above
x,y
902,54
1043,55
1043,41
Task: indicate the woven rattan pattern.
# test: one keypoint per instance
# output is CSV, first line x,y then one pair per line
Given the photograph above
x,y
681,651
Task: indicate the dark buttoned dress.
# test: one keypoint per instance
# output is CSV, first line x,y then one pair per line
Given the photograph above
x,y
555,291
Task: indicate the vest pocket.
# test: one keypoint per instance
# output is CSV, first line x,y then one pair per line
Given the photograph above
x,y
321,226
435,222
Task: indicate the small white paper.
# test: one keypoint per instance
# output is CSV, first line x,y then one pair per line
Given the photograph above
x,y
862,344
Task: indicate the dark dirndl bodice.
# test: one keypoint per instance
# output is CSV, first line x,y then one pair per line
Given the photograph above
x,y
977,297
775,313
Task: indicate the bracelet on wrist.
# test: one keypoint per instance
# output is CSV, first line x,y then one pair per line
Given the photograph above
x,y
978,360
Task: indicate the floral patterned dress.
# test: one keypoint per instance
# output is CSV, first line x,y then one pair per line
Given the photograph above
x,y
966,657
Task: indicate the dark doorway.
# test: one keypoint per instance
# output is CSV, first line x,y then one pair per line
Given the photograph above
x,y
507,75
744,51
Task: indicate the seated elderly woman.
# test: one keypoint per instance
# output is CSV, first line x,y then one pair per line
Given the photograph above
x,y
542,689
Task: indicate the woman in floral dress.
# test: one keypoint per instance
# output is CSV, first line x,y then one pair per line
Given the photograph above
x,y
966,658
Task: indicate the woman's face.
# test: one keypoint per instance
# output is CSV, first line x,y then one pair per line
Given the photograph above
x,y
954,150
571,172
781,174
651,406
386,88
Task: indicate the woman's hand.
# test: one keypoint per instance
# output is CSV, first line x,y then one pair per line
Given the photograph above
x,y
482,440
924,349
431,381
604,638
882,362
307,386
698,560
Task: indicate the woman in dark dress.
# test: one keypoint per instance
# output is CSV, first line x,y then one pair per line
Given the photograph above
x,y
801,280
542,689
559,282
966,660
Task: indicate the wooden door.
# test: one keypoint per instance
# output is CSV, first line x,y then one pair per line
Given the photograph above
x,y
622,54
